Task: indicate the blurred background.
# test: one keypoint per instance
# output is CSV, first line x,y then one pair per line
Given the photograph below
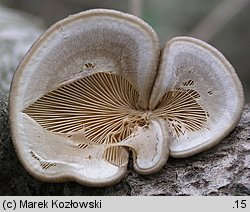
x,y
224,24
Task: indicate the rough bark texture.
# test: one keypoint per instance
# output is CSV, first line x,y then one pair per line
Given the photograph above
x,y
223,170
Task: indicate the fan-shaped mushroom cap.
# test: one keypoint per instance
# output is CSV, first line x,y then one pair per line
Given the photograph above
x,y
82,45
206,99
89,91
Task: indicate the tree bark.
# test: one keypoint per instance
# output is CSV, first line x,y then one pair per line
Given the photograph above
x,y
222,170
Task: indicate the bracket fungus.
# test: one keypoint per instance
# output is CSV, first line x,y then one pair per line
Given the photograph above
x,y
96,87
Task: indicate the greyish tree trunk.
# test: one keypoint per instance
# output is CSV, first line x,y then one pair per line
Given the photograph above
x,y
223,170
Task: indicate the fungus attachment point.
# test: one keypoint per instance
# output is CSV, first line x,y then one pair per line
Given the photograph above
x,y
150,146
81,126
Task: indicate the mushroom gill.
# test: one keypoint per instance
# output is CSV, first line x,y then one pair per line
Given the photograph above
x,y
182,111
103,107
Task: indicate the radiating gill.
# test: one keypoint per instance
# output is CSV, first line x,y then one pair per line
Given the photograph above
x,y
103,104
180,107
